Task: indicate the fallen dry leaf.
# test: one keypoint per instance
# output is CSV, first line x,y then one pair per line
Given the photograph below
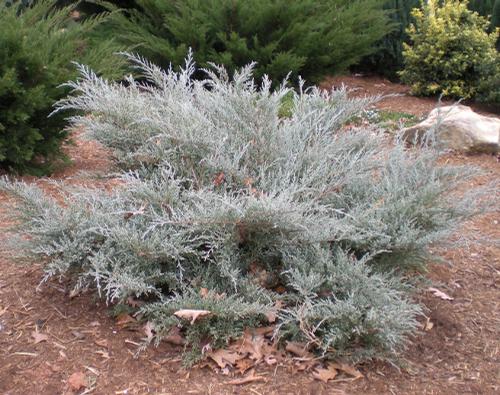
x,y
428,325
251,344
204,292
130,214
249,378
174,337
271,316
224,357
263,331
77,381
270,360
440,294
348,369
244,364
149,330
39,337
124,320
219,179
306,365
280,289
325,374
298,349
192,315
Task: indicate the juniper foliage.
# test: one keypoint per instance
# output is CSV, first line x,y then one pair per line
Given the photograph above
x,y
388,59
37,45
451,52
295,215
310,38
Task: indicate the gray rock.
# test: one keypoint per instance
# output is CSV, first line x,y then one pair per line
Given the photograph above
x,y
459,129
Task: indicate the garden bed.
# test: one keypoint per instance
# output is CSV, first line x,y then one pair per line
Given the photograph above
x,y
456,351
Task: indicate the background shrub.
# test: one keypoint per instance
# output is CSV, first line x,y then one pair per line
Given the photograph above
x,y
388,58
290,215
495,19
37,45
451,52
482,7
308,37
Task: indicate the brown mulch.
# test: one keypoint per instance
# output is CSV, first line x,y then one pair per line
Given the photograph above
x,y
456,352
399,99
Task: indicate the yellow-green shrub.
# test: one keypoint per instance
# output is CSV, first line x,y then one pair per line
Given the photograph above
x,y
451,51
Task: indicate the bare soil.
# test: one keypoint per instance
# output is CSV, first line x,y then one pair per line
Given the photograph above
x,y
456,352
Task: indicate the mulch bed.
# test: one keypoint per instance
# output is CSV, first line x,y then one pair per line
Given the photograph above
x,y
456,352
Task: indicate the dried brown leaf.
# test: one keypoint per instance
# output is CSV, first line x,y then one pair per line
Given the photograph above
x,y
130,214
77,381
224,357
263,331
219,179
174,337
192,315
244,364
440,294
149,329
271,316
301,366
39,337
280,289
252,345
348,369
124,320
299,349
270,359
325,374
428,325
249,378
